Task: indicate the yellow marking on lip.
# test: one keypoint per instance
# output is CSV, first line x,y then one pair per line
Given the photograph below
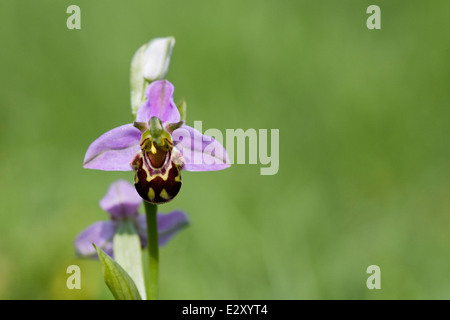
x,y
177,178
150,177
164,194
151,193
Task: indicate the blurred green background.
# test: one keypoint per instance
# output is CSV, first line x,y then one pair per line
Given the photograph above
x,y
364,145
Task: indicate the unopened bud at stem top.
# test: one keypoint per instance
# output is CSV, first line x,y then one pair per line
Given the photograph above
x,y
149,63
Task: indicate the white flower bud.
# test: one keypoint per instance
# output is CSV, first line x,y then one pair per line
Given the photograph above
x,y
149,63
157,58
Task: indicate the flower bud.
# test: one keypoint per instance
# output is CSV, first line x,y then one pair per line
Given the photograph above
x,y
149,63
157,58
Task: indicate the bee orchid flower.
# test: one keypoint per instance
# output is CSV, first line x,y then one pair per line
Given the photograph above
x,y
157,146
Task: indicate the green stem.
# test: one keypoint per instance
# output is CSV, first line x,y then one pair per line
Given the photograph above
x,y
153,250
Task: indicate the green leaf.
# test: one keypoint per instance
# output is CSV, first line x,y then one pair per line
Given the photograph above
x,y
117,279
128,253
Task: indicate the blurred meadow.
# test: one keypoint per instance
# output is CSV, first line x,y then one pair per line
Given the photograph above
x,y
363,118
